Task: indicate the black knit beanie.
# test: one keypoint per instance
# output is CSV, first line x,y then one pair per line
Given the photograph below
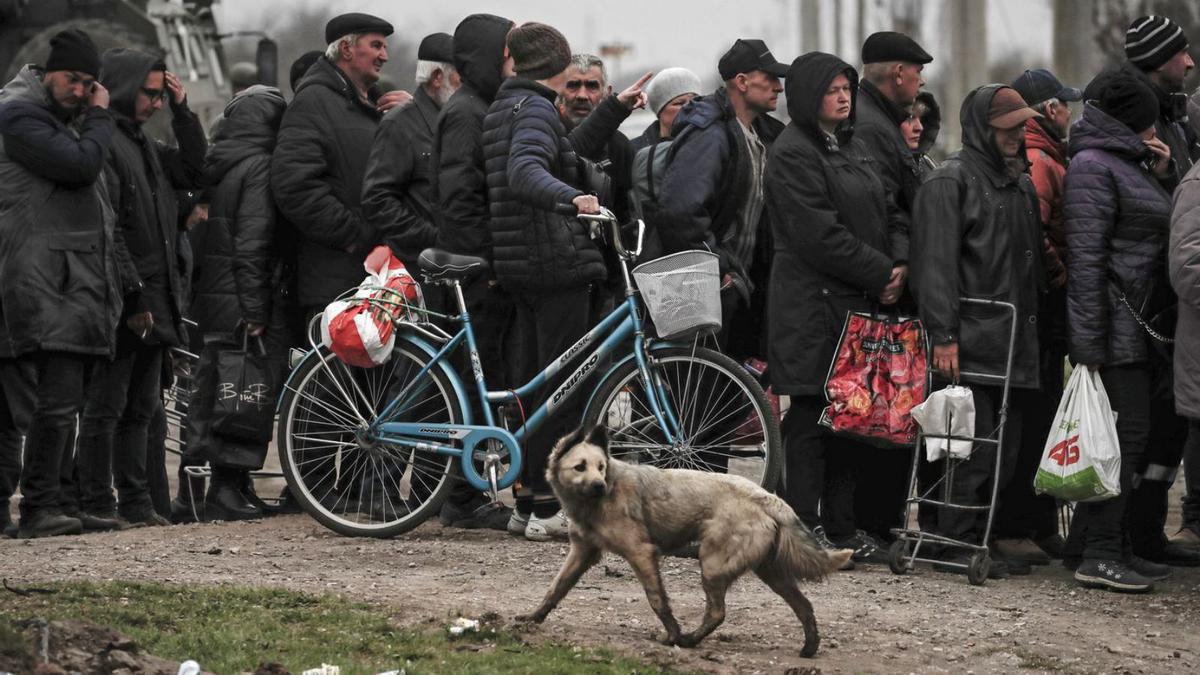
x,y
73,50
1127,99
1152,40
539,51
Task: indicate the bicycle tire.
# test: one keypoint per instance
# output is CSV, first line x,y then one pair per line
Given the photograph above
x,y
307,401
635,436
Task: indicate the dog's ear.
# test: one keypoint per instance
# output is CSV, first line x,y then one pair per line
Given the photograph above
x,y
566,442
598,436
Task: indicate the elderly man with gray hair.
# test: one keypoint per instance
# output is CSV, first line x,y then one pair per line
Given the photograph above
x,y
396,198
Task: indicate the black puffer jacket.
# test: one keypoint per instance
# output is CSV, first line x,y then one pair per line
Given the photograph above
x,y
238,261
976,233
459,186
317,176
59,280
1117,218
143,177
396,197
878,127
532,167
829,222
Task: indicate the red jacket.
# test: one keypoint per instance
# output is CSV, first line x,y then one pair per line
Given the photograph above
x,y
1048,167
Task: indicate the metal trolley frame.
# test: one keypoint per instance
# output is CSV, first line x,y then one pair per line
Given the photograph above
x,y
906,550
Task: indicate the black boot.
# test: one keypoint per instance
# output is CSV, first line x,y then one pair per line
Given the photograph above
x,y
188,505
48,524
252,497
225,500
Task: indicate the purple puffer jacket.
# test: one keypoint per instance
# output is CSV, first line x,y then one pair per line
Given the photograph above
x,y
1117,221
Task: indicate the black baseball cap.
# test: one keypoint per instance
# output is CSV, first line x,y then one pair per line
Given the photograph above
x,y
1040,85
747,56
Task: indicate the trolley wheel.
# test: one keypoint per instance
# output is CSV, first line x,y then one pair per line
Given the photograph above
x,y
977,570
896,555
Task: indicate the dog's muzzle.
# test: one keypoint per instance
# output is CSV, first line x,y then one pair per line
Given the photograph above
x,y
595,489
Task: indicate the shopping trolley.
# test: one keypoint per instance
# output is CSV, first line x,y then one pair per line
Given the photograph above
x,y
906,550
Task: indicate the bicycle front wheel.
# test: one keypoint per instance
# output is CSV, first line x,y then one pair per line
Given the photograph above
x,y
723,419
349,481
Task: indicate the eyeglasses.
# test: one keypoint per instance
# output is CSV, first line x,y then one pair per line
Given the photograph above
x,y
154,94
592,85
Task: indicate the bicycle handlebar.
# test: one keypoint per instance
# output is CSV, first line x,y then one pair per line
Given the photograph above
x,y
607,217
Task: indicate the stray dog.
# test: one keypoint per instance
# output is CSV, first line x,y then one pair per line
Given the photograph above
x,y
639,511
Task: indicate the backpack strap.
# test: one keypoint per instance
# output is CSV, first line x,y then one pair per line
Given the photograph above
x,y
650,172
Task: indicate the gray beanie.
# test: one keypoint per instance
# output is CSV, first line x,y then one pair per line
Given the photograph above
x,y
670,83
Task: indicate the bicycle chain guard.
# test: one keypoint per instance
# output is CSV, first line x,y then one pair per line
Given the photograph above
x,y
477,441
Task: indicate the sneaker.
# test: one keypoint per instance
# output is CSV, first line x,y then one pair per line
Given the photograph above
x,y
544,529
1176,554
1053,545
1112,575
1024,550
866,548
1151,570
517,522
1186,536
48,524
475,516
818,533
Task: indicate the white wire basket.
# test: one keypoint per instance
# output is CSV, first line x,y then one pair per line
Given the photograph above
x,y
682,292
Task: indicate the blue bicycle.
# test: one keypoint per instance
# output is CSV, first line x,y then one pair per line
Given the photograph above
x,y
375,452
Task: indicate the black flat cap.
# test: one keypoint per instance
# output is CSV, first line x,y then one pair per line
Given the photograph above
x,y
355,22
747,56
891,46
437,47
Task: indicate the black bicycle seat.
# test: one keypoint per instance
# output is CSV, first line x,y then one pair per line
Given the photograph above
x,y
438,265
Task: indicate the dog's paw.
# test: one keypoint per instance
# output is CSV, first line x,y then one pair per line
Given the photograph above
x,y
529,618
667,639
688,640
809,649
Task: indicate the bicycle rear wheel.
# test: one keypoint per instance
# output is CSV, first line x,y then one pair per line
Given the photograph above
x,y
350,482
725,422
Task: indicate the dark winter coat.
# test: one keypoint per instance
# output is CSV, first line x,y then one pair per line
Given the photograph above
x,y
647,138
1184,266
829,223
143,178
878,128
532,168
239,266
459,187
396,198
59,279
1117,221
317,176
708,170
1047,155
976,234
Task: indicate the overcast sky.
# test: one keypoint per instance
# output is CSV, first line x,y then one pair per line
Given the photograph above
x,y
692,34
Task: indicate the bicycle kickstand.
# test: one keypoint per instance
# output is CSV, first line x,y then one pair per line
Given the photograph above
x,y
491,462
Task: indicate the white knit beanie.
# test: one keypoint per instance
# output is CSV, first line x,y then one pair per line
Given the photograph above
x,y
669,83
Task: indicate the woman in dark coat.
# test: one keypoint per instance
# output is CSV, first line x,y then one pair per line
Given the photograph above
x,y
238,293
1117,220
831,238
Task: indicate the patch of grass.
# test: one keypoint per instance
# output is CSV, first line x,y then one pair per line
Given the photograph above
x,y
231,629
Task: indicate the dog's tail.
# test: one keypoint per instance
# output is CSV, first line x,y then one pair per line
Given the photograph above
x,y
797,554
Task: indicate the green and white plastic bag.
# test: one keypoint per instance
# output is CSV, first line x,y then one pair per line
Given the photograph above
x,y
1082,458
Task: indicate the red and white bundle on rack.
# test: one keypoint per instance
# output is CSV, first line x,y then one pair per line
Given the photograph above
x,y
360,329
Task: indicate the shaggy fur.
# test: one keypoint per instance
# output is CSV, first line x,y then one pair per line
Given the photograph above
x,y
640,511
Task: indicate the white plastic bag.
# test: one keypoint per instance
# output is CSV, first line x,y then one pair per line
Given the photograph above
x,y
958,405
1082,458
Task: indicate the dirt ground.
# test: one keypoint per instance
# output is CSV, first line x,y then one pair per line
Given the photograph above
x,y
871,620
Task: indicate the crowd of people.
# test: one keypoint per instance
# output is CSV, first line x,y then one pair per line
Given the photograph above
x,y
110,239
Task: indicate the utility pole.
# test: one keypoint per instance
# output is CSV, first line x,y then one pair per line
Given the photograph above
x,y
1075,49
967,20
810,25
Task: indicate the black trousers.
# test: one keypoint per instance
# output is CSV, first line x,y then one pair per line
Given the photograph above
x,y
1100,530
18,390
61,380
973,477
546,325
820,469
1191,472
1156,472
123,398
